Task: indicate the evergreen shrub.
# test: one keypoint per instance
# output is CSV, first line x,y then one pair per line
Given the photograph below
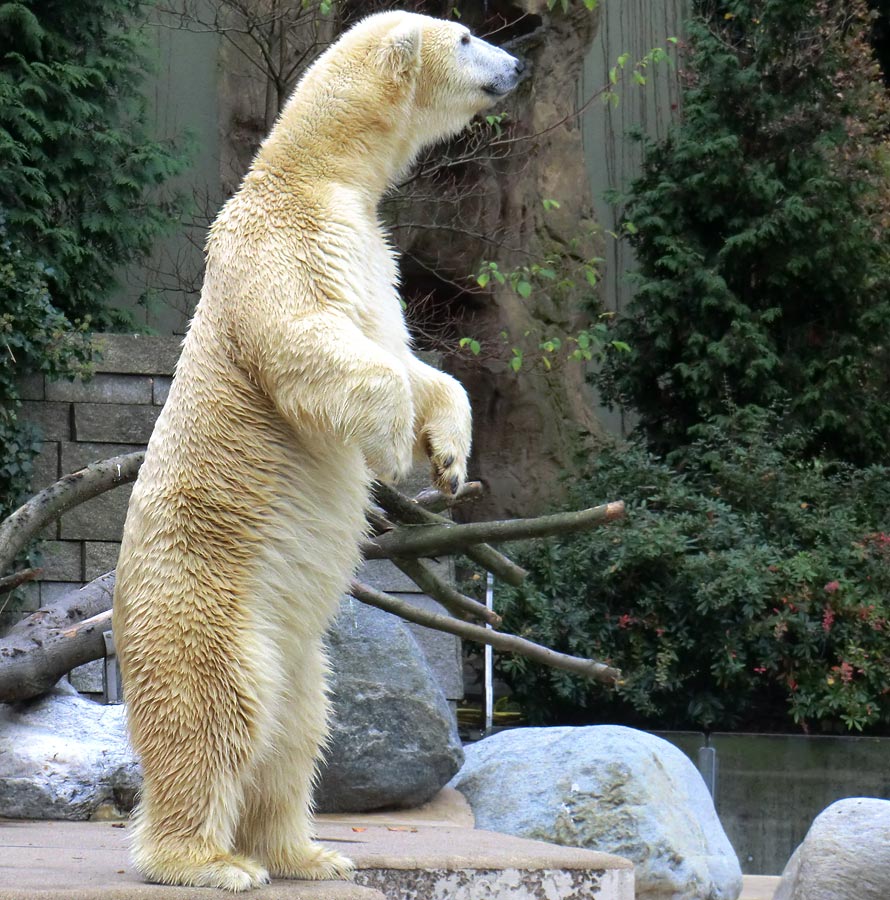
x,y
749,591
761,229
80,192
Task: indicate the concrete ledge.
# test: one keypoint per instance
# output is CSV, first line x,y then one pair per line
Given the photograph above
x,y
759,887
88,861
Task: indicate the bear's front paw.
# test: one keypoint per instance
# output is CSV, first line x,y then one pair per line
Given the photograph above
x,y
449,469
311,862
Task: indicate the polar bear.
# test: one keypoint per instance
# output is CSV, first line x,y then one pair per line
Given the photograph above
x,y
296,386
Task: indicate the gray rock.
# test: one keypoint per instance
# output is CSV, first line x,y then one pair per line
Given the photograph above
x,y
394,741
845,855
606,788
64,757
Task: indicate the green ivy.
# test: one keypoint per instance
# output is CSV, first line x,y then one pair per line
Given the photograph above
x,y
35,338
760,227
79,171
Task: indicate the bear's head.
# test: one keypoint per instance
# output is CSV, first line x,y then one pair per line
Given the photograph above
x,y
449,74
393,84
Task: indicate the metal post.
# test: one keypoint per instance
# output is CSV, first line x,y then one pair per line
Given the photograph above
x,y
489,660
111,673
707,766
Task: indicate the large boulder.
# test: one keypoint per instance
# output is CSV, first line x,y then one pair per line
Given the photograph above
x,y
611,789
394,740
845,855
65,757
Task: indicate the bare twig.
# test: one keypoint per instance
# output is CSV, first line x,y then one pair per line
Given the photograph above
x,y
11,582
410,512
440,540
453,600
508,643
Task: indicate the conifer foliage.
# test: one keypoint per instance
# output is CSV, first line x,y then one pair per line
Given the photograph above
x,y
79,199
78,168
760,226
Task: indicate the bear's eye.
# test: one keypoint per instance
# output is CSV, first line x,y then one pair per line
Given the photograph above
x,y
465,39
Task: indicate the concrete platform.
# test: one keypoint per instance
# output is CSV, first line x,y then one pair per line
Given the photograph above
x,y
428,854
759,887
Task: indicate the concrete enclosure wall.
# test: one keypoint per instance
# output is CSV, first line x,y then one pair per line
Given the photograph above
x,y
769,787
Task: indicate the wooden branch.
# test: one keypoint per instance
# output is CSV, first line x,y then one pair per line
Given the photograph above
x,y
28,520
73,607
410,512
43,647
46,645
441,540
453,600
508,643
11,582
35,671
435,501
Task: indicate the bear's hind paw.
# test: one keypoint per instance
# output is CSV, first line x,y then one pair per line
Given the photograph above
x,y
228,872
313,862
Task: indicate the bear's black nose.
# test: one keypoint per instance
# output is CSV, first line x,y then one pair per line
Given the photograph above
x,y
520,66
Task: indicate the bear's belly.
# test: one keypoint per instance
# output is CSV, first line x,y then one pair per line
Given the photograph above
x,y
241,520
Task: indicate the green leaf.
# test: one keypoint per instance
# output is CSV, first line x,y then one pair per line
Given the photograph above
x,y
524,289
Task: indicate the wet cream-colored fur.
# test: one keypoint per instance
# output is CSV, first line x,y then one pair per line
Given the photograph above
x,y
296,387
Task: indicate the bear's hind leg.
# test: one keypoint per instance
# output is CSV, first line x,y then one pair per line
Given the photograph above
x,y
276,827
195,756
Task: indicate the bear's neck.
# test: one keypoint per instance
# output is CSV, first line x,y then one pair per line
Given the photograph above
x,y
363,153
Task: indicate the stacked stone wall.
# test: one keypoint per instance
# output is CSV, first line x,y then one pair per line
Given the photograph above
x,y
82,422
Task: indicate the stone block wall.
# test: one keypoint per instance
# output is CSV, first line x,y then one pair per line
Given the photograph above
x,y
82,422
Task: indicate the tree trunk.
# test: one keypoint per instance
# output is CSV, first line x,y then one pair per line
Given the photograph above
x,y
528,426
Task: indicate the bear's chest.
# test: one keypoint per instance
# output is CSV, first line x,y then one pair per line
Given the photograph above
x,y
376,307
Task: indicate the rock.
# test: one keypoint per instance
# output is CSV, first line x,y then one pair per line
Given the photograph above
x,y
394,740
65,757
845,855
606,788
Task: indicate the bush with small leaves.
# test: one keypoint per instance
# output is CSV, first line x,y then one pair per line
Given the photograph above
x,y
748,591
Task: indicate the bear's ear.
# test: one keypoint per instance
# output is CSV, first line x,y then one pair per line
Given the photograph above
x,y
399,51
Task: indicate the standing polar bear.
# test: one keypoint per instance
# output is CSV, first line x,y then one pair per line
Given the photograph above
x,y
295,388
